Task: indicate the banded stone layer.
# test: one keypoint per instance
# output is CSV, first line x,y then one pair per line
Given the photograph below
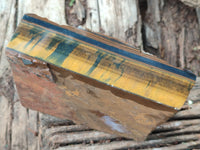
x,y
94,79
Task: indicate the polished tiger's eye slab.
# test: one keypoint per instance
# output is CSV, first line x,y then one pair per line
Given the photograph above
x,y
94,79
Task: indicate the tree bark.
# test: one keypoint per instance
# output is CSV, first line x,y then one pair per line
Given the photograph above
x,y
171,29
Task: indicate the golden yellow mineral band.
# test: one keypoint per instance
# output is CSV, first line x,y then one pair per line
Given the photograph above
x,y
104,59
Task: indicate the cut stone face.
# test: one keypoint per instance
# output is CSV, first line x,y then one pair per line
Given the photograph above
x,y
93,79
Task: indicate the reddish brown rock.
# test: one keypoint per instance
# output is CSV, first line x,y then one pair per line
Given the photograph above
x,y
55,91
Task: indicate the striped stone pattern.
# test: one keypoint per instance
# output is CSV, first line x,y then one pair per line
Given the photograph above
x,y
103,59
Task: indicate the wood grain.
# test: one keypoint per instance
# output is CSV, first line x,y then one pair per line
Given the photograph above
x,y
174,34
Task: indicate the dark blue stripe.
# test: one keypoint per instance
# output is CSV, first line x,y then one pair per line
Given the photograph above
x,y
96,63
110,48
62,51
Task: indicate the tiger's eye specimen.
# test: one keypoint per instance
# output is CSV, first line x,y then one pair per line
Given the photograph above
x,y
94,79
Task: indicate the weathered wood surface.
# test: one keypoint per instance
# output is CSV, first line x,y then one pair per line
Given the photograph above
x,y
7,12
172,32
38,129
19,126
192,3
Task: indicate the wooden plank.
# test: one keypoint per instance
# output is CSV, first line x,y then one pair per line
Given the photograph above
x,y
191,3
24,128
32,129
123,21
78,137
63,129
7,16
19,126
142,145
26,136
107,146
185,145
176,125
5,123
50,9
93,21
7,13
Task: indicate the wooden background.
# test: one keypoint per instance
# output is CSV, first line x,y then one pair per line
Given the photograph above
x,y
168,29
